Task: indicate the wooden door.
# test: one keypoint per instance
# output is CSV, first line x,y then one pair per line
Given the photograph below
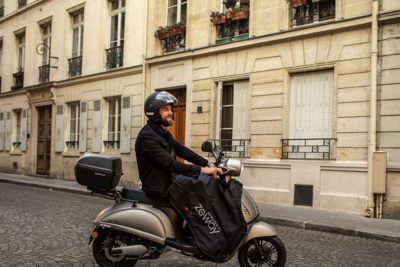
x,y
178,128
43,140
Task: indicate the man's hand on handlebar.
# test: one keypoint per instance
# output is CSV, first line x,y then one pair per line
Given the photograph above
x,y
213,171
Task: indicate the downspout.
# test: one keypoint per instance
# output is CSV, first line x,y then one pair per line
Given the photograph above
x,y
373,107
144,64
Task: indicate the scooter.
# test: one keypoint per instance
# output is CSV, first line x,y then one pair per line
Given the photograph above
x,y
135,228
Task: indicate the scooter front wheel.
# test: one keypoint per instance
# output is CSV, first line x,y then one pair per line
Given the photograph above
x,y
263,251
102,246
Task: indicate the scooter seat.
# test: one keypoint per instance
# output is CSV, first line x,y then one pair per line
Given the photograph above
x,y
141,197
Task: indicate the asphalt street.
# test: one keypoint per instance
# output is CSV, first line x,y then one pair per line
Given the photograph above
x,y
41,227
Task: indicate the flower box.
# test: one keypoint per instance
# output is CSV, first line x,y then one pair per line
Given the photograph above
x,y
241,14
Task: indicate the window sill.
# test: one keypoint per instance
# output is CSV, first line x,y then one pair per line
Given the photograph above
x,y
15,152
232,39
71,153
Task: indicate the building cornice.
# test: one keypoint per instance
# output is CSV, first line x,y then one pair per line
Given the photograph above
x,y
268,39
389,16
21,10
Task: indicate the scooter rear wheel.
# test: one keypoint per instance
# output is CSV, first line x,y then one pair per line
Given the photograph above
x,y
263,251
102,246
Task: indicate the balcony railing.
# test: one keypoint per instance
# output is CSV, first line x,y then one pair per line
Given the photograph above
x,y
21,3
75,66
307,11
234,148
307,149
110,144
18,80
1,11
232,26
44,73
72,144
114,57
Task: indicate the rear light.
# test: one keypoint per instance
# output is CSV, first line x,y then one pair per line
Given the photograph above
x,y
94,235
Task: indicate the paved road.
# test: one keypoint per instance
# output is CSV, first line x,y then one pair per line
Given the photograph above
x,y
40,227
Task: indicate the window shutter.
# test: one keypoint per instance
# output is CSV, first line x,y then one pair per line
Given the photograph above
x,y
7,131
1,131
311,105
24,126
240,114
219,110
96,132
59,128
83,126
126,124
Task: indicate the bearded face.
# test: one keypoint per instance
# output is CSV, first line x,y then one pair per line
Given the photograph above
x,y
167,115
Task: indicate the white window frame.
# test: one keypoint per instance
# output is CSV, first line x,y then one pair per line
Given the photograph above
x,y
178,6
116,117
119,12
20,51
46,39
74,122
17,114
77,26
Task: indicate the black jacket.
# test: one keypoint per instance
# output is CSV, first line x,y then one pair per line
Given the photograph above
x,y
155,154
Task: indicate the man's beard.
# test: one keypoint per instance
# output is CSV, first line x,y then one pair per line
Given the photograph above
x,y
166,123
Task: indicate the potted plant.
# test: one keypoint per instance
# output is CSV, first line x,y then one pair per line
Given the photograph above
x,y
239,13
177,29
217,18
230,3
162,33
297,3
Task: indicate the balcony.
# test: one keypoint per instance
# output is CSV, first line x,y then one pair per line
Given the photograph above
x,y
231,26
75,66
44,73
234,148
311,11
114,57
21,3
1,11
307,149
172,38
72,144
18,80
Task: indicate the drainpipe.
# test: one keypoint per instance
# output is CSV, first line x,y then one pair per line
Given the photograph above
x,y
144,64
373,106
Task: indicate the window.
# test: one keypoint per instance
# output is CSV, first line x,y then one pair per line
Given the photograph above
x,y
1,8
232,21
17,127
19,75
117,34
74,126
21,3
309,11
233,125
75,62
44,69
310,123
177,12
114,123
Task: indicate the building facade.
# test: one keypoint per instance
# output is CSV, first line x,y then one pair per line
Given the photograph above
x,y
305,92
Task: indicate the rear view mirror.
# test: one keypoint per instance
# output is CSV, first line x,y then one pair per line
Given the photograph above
x,y
207,146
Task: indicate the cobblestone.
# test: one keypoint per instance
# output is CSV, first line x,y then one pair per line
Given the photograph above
x,y
40,227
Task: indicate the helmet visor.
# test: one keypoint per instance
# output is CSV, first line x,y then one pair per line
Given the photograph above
x,y
166,98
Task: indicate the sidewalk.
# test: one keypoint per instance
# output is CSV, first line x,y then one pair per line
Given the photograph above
x,y
299,217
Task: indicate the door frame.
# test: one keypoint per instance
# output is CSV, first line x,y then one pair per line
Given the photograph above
x,y
36,137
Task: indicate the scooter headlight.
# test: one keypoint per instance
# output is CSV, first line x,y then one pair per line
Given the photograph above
x,y
233,167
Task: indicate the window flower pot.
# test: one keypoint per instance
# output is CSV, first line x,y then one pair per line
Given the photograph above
x,y
219,20
297,3
241,14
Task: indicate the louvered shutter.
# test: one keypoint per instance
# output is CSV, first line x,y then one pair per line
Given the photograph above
x,y
240,121
1,131
7,131
219,110
83,126
126,124
97,132
24,126
311,105
59,128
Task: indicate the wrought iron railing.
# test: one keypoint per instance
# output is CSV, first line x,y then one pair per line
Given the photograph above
x,y
18,80
114,57
308,149
234,148
44,73
1,11
21,3
305,12
72,144
111,144
232,28
75,66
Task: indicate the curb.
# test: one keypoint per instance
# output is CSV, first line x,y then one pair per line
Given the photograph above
x,y
306,225
329,229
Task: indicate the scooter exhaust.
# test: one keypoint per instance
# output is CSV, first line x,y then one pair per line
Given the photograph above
x,y
134,250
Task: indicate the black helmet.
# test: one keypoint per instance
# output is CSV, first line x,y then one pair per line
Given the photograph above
x,y
155,101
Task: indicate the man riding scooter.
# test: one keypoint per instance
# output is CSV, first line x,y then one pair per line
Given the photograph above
x,y
156,152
